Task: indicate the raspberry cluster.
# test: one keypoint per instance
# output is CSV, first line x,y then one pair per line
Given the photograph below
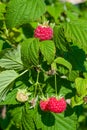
x,y
53,104
43,32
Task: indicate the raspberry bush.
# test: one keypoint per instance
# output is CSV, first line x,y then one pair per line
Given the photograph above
x,y
43,65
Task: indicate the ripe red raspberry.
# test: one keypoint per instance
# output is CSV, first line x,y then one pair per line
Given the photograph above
x,y
44,105
43,32
57,105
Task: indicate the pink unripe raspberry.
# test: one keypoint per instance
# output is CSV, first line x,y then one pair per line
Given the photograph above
x,y
43,32
44,105
57,105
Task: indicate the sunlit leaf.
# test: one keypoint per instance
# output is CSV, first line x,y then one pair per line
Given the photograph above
x,y
47,49
11,59
6,79
23,11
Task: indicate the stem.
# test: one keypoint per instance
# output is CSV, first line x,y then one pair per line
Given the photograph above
x,y
36,84
55,85
41,90
23,73
37,76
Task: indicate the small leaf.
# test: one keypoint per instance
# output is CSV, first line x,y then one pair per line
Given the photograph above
x,y
63,62
11,59
30,52
76,101
55,10
23,11
6,79
81,91
47,49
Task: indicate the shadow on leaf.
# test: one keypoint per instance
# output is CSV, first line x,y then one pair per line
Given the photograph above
x,y
47,118
69,111
76,57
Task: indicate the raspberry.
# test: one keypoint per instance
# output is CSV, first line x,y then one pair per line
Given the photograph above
x,y
43,32
22,95
44,105
57,105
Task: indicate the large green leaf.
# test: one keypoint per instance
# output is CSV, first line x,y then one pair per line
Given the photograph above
x,y
30,52
47,49
50,121
22,117
11,59
62,61
23,11
59,38
76,32
27,120
6,79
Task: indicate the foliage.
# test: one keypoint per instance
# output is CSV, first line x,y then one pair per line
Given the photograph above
x,y
43,68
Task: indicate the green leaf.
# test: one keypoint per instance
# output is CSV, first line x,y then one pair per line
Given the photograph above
x,y
11,59
27,119
2,10
6,81
50,121
55,10
76,32
81,91
22,117
47,49
59,38
73,75
30,52
65,63
23,11
65,122
81,86
10,98
76,101
1,43
76,57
